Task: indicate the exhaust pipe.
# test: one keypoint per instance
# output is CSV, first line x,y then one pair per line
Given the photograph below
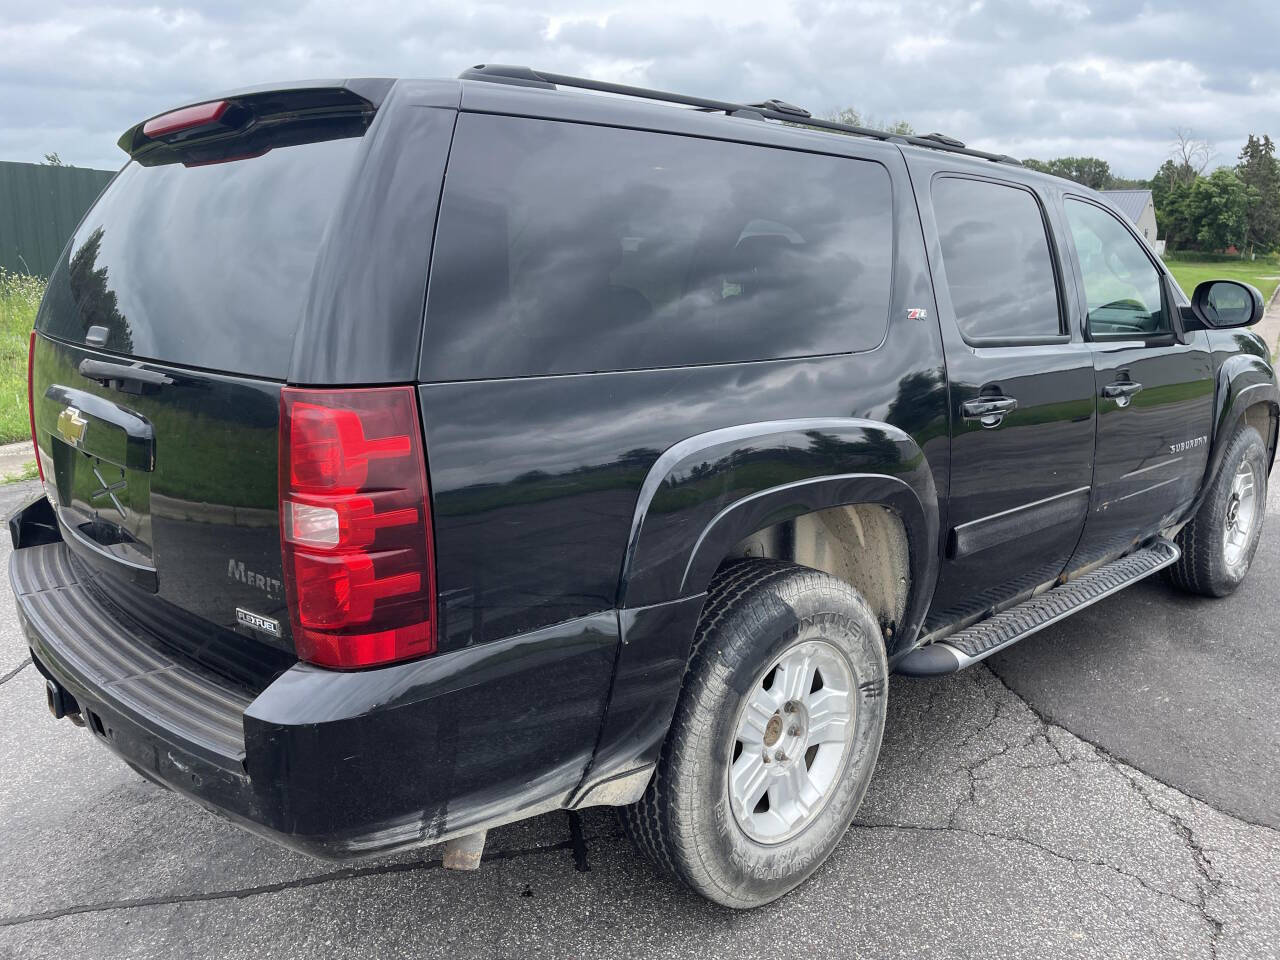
x,y
465,853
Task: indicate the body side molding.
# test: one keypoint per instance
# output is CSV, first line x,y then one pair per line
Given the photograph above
x,y
1019,521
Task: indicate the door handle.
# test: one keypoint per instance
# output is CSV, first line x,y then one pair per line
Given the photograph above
x,y
989,411
1122,391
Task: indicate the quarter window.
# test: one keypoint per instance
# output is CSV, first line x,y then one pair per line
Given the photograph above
x,y
1121,283
568,248
995,253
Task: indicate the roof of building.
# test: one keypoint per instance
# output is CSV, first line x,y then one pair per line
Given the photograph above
x,y
1130,202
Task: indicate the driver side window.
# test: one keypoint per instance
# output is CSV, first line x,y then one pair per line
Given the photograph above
x,y
1120,281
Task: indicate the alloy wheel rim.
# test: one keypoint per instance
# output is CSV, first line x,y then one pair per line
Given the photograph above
x,y
1242,510
792,738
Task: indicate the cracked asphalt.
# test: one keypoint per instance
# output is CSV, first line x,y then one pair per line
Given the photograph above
x,y
1066,805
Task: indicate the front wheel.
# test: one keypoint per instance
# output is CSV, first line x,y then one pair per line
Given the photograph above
x,y
774,738
1219,543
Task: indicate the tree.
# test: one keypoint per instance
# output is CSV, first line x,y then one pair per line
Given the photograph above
x,y
1217,208
1169,191
1173,175
1092,172
1191,155
854,118
1171,187
53,160
1163,182
95,300
1259,169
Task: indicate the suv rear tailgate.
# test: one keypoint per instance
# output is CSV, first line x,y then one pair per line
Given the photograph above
x,y
163,341
171,490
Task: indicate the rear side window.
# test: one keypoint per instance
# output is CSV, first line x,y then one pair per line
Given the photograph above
x,y
567,248
206,266
996,256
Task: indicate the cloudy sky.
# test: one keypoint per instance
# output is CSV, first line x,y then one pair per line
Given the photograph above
x,y
1040,78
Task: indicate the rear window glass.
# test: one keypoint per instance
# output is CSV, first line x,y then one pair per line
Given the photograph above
x,y
996,255
566,248
205,266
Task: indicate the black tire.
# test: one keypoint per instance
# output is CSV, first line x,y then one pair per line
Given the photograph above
x,y
1204,567
757,610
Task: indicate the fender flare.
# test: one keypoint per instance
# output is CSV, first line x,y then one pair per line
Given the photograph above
x,y
1244,380
711,490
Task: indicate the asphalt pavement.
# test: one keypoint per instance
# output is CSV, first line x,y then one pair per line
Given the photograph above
x,y
14,457
1183,688
1105,792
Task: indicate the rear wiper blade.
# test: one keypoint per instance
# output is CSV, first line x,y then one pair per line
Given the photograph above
x,y
125,377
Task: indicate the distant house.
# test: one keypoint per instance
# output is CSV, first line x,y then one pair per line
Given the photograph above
x,y
1138,206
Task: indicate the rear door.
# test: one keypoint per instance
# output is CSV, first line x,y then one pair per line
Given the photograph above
x,y
1022,408
1154,384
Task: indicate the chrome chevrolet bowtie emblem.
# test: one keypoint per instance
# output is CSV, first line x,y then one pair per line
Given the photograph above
x,y
72,426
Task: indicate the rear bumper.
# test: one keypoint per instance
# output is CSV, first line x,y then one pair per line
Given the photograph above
x,y
338,765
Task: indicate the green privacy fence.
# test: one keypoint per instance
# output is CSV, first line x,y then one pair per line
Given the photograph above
x,y
39,208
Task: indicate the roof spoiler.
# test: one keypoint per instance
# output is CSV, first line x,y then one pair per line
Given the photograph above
x,y
248,123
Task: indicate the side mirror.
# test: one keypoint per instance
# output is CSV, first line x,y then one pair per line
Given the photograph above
x,y
1224,304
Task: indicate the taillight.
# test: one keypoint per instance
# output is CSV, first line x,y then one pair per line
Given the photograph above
x,y
355,526
31,400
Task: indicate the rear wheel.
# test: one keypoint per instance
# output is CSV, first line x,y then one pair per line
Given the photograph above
x,y
1219,543
774,738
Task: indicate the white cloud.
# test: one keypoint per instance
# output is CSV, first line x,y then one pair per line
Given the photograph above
x,y
1045,78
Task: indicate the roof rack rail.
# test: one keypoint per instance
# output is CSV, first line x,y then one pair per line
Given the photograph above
x,y
766,110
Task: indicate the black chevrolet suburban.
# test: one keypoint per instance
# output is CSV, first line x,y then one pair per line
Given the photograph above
x,y
419,456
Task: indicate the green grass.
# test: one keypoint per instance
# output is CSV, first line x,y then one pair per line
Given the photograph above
x,y
1263,274
28,472
19,297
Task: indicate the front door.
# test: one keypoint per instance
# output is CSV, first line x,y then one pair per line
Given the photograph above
x,y
1022,404
1154,384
